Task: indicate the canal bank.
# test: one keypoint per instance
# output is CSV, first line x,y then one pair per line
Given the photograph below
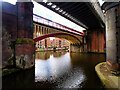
x,y
44,50
6,71
108,79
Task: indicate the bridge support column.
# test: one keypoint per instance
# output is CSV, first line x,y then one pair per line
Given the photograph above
x,y
95,40
112,11
25,46
75,48
84,46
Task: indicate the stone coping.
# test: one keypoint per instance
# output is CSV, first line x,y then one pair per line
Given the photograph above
x,y
109,80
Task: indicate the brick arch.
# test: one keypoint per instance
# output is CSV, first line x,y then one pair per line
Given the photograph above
x,y
54,35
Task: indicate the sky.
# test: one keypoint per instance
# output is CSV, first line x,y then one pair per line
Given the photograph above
x,y
101,2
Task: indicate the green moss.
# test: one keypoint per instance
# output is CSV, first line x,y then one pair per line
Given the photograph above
x,y
10,61
105,79
12,44
9,71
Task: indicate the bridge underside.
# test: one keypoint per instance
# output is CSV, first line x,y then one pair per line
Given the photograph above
x,y
81,13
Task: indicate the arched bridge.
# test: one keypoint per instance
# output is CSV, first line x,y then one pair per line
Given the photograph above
x,y
42,31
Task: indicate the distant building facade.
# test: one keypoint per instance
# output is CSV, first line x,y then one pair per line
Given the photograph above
x,y
59,43
47,43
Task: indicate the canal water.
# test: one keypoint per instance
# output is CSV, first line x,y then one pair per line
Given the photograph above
x,y
58,70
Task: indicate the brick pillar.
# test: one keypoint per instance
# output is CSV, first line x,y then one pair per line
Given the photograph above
x,y
25,46
75,48
112,11
101,40
92,41
84,41
88,40
95,40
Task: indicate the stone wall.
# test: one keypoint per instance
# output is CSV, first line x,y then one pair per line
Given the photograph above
x,y
17,34
9,30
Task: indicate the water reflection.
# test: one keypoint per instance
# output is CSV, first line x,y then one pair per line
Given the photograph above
x,y
58,70
41,55
87,62
73,79
52,67
46,55
68,70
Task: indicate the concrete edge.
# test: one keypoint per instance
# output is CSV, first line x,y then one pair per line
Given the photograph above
x,y
108,80
100,75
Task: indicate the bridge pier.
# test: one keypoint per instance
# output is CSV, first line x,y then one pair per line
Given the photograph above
x,y
112,11
95,40
84,43
18,46
25,46
77,48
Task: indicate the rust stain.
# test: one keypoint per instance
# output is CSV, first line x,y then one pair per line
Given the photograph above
x,y
112,66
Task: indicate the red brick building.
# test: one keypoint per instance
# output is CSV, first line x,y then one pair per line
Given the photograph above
x,y
47,43
59,43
